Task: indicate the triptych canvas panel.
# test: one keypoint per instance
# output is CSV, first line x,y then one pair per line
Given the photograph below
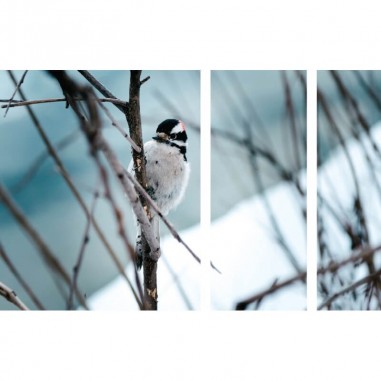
x,y
100,188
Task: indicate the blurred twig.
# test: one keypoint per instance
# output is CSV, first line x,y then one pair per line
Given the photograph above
x,y
105,92
171,228
18,103
11,296
242,305
42,247
39,160
350,288
19,83
20,279
84,244
69,182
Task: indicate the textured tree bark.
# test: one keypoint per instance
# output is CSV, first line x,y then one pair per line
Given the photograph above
x,y
135,126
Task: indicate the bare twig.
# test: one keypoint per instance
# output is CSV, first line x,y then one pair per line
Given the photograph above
x,y
284,173
176,281
292,119
20,279
72,187
20,82
363,256
171,228
106,93
144,80
372,94
352,101
40,159
331,268
275,287
11,296
18,103
94,137
272,217
42,247
324,104
84,243
121,231
350,288
119,128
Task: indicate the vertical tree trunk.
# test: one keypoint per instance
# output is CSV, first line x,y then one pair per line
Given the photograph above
x,y
135,126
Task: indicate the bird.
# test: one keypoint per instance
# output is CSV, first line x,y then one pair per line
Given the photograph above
x,y
167,170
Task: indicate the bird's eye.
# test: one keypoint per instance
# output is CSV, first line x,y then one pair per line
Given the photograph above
x,y
173,136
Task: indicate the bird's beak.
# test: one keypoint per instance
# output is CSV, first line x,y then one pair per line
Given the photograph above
x,y
161,136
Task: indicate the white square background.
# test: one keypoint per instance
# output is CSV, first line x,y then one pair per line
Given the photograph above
x,y
271,34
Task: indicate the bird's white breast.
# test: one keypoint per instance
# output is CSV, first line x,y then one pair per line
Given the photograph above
x,y
167,174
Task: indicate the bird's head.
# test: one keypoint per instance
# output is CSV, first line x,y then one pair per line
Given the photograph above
x,y
172,130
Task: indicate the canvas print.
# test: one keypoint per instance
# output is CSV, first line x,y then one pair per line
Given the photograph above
x,y
259,190
99,190
349,198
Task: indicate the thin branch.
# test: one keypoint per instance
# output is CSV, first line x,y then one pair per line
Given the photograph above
x,y
20,279
19,103
324,104
331,268
176,281
368,278
353,103
274,288
40,159
42,247
72,187
292,118
84,243
371,93
91,129
106,93
144,80
272,217
14,93
253,149
11,296
171,228
363,256
121,230
119,128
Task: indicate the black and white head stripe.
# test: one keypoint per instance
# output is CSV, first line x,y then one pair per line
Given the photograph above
x,y
172,129
173,133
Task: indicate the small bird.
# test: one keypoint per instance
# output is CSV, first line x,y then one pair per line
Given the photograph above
x,y
167,170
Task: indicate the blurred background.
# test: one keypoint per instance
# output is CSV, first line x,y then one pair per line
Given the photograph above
x,y
258,188
349,196
31,177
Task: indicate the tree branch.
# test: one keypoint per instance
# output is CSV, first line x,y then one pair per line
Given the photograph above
x,y
91,129
171,228
106,93
20,279
18,103
11,296
330,300
84,243
42,247
149,257
71,185
275,287
14,93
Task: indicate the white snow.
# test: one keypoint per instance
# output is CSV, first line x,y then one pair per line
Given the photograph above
x,y
336,185
243,248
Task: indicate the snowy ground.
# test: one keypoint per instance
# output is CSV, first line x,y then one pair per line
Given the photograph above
x,y
336,185
243,248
